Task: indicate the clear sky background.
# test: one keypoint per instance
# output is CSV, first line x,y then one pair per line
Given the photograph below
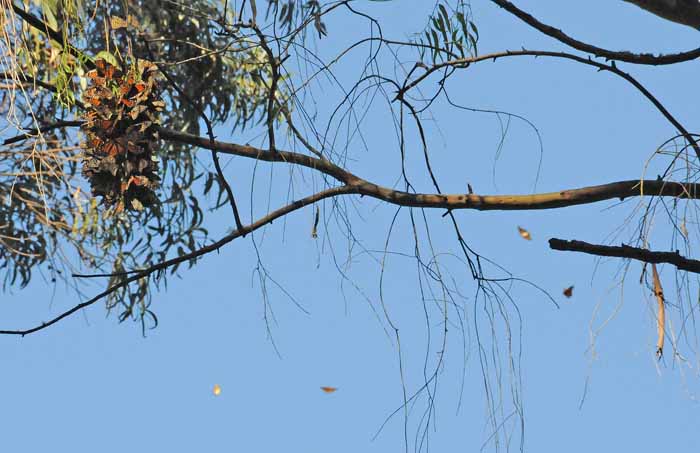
x,y
91,384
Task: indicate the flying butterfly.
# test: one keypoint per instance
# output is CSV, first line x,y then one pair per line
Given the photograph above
x,y
329,389
568,292
524,234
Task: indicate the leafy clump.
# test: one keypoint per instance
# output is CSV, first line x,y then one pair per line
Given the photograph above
x,y
122,109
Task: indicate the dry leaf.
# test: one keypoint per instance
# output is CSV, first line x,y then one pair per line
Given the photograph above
x,y
217,390
524,233
117,22
329,389
133,21
684,230
568,292
314,230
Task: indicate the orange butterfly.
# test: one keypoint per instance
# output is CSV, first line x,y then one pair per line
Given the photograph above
x,y
109,72
524,234
113,148
329,389
568,292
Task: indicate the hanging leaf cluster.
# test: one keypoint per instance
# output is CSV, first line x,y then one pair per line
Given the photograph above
x,y
122,109
450,34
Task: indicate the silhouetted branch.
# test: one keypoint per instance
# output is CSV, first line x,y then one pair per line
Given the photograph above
x,y
629,57
626,251
190,256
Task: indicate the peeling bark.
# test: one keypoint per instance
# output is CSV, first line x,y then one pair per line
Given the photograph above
x,y
686,12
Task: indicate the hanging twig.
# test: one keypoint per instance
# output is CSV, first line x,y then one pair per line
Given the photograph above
x,y
661,317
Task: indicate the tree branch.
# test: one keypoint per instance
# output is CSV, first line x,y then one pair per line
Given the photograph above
x,y
332,192
629,57
548,200
626,251
34,132
560,199
686,12
56,35
465,62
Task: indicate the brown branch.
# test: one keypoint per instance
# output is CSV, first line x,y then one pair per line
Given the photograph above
x,y
560,199
629,252
629,57
549,200
190,256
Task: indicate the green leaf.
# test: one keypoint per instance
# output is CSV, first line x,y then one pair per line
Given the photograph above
x,y
108,57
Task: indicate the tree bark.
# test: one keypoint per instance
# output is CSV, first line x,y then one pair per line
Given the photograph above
x,y
686,12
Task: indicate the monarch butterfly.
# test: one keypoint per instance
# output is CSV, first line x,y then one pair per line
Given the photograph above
x,y
128,102
140,87
524,234
113,148
109,72
217,390
329,389
568,292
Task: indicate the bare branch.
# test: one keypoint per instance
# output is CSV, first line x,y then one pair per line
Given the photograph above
x,y
190,256
560,199
629,57
626,251
465,62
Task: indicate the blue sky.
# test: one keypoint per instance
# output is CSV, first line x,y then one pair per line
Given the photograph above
x,y
91,384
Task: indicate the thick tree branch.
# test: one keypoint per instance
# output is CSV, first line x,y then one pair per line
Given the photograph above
x,y
560,199
550,200
626,251
629,57
686,12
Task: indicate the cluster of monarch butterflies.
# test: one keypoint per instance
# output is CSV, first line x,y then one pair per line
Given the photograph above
x,y
122,108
